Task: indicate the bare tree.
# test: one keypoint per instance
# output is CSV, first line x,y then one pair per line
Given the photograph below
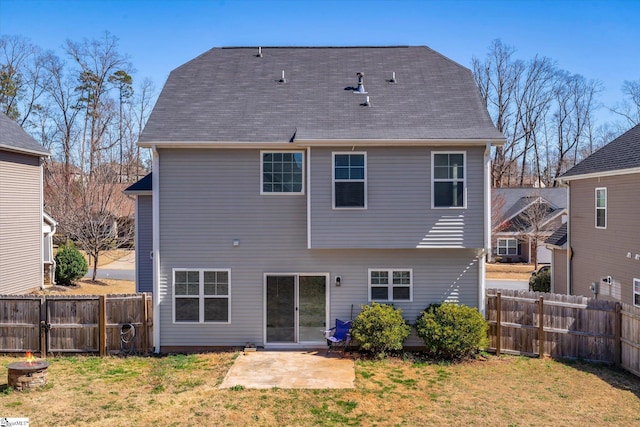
x,y
629,109
532,224
98,61
545,114
93,213
497,78
22,78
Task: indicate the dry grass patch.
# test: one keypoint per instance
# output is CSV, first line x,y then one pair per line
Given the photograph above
x,y
87,286
509,271
182,390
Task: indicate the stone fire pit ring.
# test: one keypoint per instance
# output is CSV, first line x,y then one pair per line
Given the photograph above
x,y
27,375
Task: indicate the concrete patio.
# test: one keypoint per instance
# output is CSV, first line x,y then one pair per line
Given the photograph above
x,y
313,369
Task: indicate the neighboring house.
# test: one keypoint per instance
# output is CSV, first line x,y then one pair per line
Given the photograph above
x,y
602,251
557,244
143,233
21,214
290,186
523,219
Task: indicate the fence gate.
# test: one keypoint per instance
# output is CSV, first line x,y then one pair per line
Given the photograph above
x,y
20,324
72,325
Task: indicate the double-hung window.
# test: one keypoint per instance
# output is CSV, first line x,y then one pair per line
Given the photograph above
x,y
390,284
201,295
601,207
282,172
507,246
349,180
636,292
448,176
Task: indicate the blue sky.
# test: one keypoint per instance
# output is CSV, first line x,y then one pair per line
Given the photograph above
x,y
598,39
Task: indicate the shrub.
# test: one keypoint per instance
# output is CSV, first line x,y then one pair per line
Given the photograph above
x,y
452,331
380,328
541,282
70,265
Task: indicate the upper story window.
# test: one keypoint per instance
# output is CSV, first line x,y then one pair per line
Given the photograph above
x,y
282,172
601,208
390,284
201,295
636,292
349,180
507,247
448,176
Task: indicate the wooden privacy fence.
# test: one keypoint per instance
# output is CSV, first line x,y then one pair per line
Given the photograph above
x,y
563,326
76,323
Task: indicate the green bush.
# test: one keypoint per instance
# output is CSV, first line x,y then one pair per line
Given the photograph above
x,y
452,331
70,264
380,328
541,282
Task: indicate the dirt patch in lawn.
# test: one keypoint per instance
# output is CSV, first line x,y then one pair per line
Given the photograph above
x,y
182,390
87,286
509,271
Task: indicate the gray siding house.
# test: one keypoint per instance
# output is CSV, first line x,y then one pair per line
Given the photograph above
x,y
603,232
21,214
290,186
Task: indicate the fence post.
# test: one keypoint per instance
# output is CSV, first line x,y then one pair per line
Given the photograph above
x,y
103,325
617,351
498,320
144,312
541,327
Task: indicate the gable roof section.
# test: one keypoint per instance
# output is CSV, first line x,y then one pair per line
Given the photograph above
x,y
234,95
14,138
143,186
623,153
517,199
559,237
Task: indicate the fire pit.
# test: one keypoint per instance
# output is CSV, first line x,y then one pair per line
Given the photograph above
x,y
27,375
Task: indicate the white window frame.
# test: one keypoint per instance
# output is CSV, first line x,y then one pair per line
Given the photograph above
x,y
636,291
390,285
281,193
201,296
463,180
601,208
506,246
334,180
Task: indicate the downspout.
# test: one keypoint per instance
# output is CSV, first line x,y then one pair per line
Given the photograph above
x,y
486,250
155,201
54,228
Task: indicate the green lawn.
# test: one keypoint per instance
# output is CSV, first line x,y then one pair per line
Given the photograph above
x,y
182,390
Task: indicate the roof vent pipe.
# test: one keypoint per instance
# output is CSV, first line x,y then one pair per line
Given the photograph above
x,y
259,52
367,103
393,77
282,80
360,88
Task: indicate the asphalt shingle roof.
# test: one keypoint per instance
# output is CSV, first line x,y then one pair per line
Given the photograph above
x,y
515,199
232,94
559,237
144,184
14,138
621,153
